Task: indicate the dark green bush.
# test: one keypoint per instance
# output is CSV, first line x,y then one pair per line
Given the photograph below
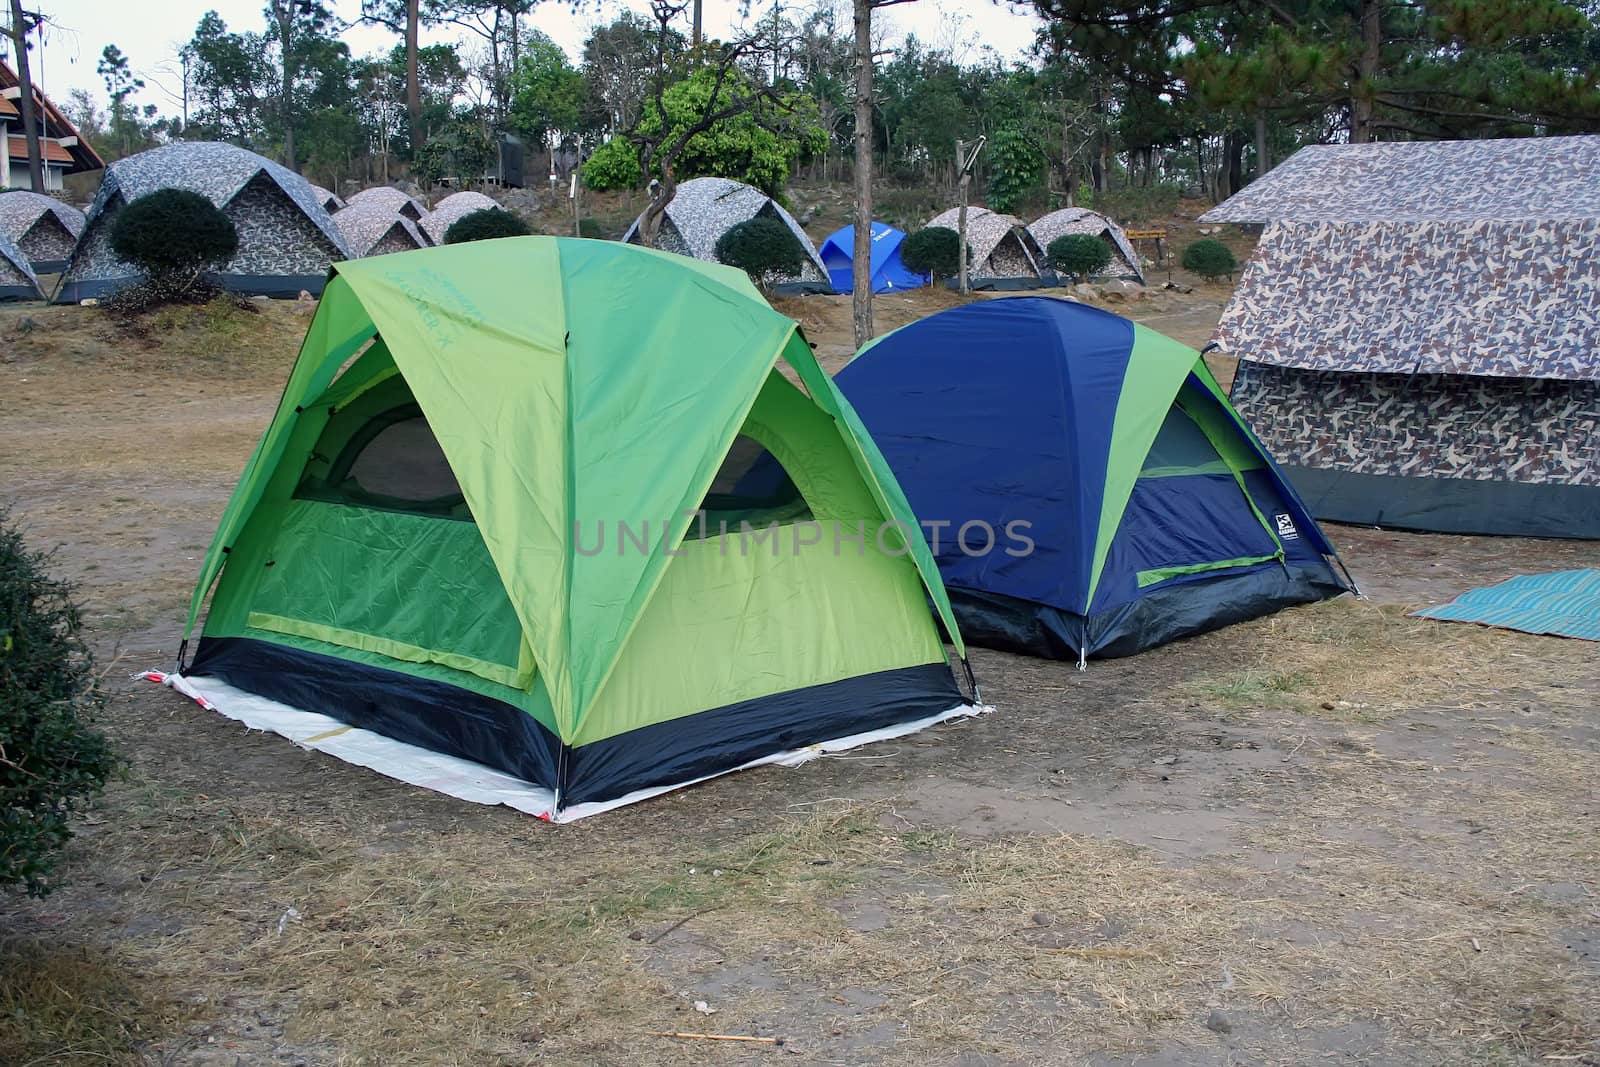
x,y
1209,259
173,236
763,248
934,250
590,227
52,760
485,225
1079,254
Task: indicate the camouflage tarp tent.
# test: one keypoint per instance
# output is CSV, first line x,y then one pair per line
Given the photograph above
x,y
1004,254
44,228
1418,336
451,209
17,280
372,229
390,198
703,209
328,199
287,241
1080,220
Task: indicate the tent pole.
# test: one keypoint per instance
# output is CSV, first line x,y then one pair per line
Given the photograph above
x,y
972,683
1354,588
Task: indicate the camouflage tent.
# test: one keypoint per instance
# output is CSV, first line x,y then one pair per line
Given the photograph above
x,y
450,209
327,198
387,196
17,280
703,209
286,240
44,228
1418,338
1004,254
372,229
1080,220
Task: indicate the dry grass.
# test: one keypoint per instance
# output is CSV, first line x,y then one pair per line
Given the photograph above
x,y
1359,659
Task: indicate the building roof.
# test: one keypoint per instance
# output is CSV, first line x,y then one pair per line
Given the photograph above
x,y
217,171
1527,178
703,209
452,208
366,224
81,156
1510,299
50,152
20,209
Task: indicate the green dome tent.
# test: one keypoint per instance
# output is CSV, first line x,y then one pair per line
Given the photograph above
x,y
485,521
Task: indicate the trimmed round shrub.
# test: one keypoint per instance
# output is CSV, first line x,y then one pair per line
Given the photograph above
x,y
1209,259
763,248
935,250
174,236
1079,254
52,760
485,225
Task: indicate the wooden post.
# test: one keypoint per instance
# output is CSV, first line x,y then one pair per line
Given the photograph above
x,y
961,213
30,117
861,249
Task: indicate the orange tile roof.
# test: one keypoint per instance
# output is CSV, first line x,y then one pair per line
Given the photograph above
x,y
53,153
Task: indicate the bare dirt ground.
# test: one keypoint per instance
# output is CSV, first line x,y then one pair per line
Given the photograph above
x,y
1338,835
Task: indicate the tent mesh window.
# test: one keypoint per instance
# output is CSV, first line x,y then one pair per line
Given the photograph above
x,y
750,486
393,462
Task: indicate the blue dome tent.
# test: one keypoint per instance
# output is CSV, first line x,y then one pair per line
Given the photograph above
x,y
1126,501
887,271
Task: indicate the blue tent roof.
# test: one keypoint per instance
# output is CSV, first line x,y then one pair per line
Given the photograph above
x,y
1109,442
887,270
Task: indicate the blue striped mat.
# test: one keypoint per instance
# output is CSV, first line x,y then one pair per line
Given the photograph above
x,y
1564,603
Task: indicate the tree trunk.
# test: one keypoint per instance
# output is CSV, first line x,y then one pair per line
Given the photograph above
x,y
1263,150
1235,161
1366,71
861,254
650,220
413,82
284,12
30,119
695,36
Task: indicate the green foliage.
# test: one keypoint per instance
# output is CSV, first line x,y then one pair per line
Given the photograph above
x,y
52,760
1079,254
173,236
548,93
754,146
935,250
1209,259
1017,168
614,165
590,227
762,247
485,225
462,149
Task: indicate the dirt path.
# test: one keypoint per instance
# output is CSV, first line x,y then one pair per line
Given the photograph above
x,y
1337,835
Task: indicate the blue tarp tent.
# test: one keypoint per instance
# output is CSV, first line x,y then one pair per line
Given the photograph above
x,y
1126,501
887,270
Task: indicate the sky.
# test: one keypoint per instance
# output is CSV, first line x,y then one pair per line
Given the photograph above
x,y
150,34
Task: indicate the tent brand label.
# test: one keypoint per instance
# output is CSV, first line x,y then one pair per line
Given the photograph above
x,y
1286,530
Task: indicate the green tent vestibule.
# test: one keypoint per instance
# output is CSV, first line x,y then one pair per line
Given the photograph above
x,y
483,526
